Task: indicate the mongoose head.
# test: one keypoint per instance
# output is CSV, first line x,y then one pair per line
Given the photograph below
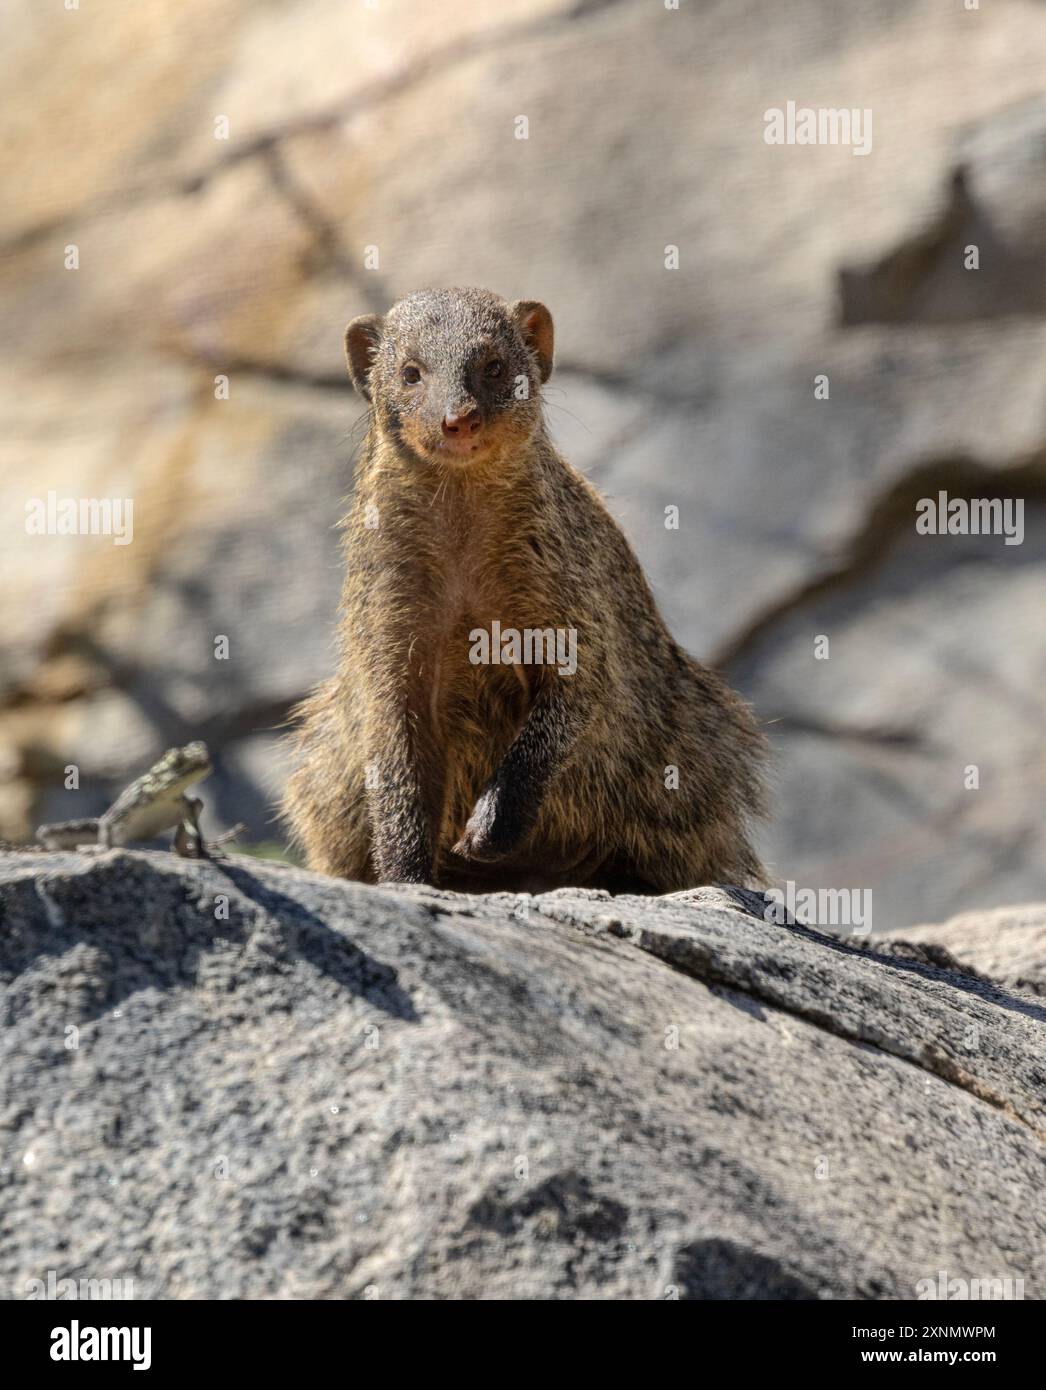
x,y
453,376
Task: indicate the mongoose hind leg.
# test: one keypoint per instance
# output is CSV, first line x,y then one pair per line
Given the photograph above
x,y
325,803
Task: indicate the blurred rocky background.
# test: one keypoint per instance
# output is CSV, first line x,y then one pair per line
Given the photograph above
x,y
392,127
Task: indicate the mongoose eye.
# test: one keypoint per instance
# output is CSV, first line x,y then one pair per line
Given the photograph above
x,y
494,369
411,376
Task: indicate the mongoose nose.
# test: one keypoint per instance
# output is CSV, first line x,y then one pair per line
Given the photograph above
x,y
461,426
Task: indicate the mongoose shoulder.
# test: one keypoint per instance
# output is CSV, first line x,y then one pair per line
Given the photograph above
x,y
508,709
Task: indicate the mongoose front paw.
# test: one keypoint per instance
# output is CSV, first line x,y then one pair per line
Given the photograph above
x,y
491,832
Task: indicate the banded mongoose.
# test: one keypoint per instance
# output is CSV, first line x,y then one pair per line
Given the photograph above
x,y
448,749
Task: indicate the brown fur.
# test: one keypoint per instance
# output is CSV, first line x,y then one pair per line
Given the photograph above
x,y
494,776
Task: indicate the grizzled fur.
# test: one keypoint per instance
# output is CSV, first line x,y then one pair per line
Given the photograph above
x,y
417,765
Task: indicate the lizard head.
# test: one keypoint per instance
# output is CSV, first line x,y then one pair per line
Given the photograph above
x,y
187,764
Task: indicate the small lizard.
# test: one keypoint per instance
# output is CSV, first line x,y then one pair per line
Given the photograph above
x,y
155,802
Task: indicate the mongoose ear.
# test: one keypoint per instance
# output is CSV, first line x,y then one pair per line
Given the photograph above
x,y
535,323
361,343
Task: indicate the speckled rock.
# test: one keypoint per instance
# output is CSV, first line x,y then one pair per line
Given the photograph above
x,y
236,1079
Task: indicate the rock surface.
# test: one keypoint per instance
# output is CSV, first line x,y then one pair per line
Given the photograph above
x,y
1008,944
340,1091
244,257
